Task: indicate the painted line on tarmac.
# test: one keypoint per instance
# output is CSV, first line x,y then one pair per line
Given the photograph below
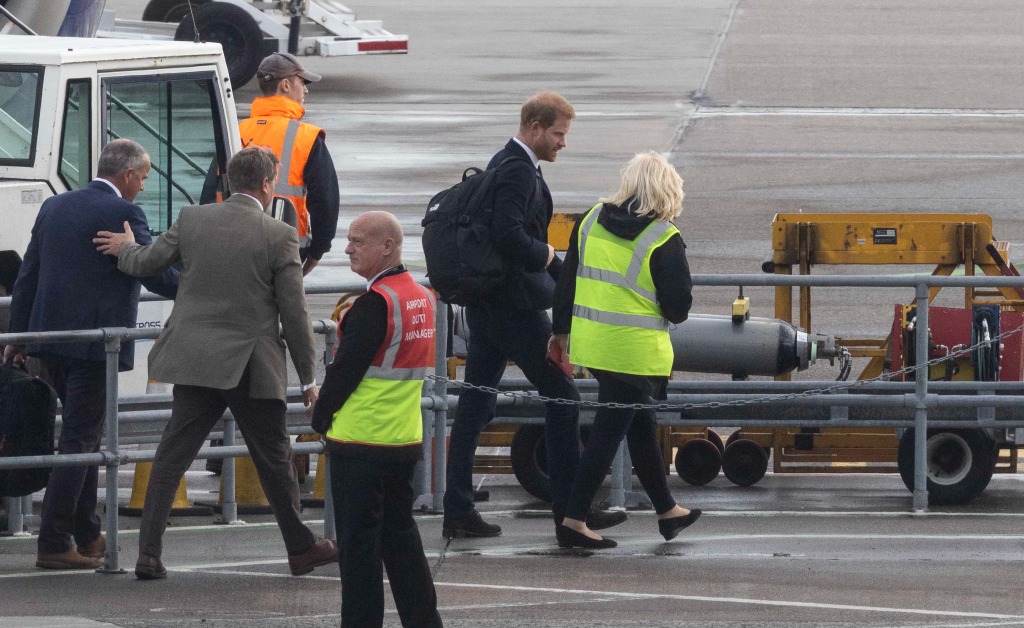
x,y
733,600
928,112
847,155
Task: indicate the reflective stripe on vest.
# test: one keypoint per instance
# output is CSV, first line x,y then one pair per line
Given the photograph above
x,y
274,123
617,323
384,409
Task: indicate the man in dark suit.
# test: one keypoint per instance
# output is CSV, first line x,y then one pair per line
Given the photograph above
x,y
222,347
63,284
514,325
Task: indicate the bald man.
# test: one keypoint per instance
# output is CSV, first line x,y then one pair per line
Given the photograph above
x,y
369,411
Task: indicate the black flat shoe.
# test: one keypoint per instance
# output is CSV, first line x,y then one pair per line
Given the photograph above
x,y
569,538
671,527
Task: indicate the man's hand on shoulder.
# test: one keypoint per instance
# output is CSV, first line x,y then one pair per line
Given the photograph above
x,y
110,243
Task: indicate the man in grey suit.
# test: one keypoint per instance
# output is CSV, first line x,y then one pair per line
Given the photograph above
x,y
241,282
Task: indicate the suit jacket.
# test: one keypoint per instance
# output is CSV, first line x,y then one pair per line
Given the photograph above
x,y
241,284
65,283
519,230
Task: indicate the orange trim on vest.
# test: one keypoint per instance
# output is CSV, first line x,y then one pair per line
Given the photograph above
x,y
266,126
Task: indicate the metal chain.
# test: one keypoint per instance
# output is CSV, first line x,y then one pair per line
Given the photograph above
x,y
737,402
440,558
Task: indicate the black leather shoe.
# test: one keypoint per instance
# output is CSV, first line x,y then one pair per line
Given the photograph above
x,y
569,538
671,527
149,568
598,519
472,525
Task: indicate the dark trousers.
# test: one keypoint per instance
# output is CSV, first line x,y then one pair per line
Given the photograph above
x,y
194,412
373,508
611,425
498,335
69,504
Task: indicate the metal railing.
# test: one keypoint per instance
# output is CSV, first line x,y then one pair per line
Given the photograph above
x,y
921,396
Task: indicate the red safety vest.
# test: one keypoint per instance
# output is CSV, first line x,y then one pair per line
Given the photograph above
x,y
385,409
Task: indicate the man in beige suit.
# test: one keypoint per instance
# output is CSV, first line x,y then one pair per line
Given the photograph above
x,y
241,281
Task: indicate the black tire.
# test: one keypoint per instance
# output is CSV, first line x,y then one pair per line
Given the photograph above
x,y
960,464
530,462
234,30
744,462
716,438
698,461
168,10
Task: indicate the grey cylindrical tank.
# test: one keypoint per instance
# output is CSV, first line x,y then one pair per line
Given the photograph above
x,y
708,343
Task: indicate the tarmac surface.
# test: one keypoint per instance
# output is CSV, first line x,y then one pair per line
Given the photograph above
x,y
765,107
792,550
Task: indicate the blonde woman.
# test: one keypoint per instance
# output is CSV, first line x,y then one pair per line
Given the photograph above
x,y
625,279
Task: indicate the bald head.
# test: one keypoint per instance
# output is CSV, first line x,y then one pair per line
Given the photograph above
x,y
374,243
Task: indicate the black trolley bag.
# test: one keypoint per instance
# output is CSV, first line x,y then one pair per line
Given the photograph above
x,y
28,408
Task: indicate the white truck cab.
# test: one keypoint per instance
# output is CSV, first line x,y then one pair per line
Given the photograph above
x,y
63,98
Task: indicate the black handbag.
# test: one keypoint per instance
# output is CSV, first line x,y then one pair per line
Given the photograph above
x,y
28,409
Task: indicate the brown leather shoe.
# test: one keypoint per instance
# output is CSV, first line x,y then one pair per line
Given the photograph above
x,y
323,551
97,549
70,559
149,568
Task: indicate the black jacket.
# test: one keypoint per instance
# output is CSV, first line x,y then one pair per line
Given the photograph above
x,y
669,269
519,230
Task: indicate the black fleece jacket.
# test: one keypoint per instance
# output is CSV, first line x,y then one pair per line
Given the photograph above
x,y
669,269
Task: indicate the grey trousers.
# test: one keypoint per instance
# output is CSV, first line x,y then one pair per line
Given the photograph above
x,y
194,412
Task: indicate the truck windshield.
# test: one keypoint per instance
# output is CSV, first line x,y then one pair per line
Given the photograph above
x,y
20,92
176,117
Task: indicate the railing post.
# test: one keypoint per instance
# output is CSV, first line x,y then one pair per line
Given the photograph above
x,y
440,411
112,340
229,505
920,504
330,346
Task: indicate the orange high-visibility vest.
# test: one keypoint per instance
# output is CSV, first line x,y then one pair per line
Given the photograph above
x,y
384,409
273,123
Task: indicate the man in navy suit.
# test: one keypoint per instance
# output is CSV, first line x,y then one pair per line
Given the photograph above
x,y
64,283
514,325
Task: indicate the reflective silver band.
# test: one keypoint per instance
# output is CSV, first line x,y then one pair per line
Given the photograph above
x,y
285,189
620,320
614,278
396,335
588,223
647,240
397,375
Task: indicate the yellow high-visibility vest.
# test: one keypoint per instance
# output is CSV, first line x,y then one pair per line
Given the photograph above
x,y
617,324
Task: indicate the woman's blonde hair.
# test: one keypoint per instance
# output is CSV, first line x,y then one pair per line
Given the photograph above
x,y
654,186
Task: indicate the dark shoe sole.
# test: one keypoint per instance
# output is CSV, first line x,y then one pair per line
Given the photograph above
x,y
569,539
459,533
148,574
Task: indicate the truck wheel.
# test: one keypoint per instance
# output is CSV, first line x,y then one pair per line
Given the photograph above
x,y
744,462
698,461
234,30
716,438
530,462
960,464
168,10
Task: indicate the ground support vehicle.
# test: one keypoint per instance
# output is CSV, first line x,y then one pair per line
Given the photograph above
x,y
62,99
248,30
960,461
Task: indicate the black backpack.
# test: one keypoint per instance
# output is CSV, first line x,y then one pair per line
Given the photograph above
x,y
27,412
462,264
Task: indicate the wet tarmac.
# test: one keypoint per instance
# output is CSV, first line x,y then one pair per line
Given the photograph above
x,y
792,550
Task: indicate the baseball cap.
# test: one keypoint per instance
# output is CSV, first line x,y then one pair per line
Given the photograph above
x,y
282,65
